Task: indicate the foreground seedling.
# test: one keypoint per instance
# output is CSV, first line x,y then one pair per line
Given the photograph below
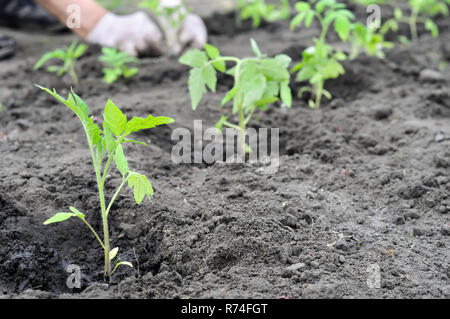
x,y
105,146
116,63
259,10
68,56
420,12
258,82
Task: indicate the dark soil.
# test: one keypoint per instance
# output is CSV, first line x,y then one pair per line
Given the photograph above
x,y
364,180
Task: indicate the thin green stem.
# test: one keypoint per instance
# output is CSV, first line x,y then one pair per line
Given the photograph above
x,y
117,193
413,24
93,231
73,73
319,94
231,125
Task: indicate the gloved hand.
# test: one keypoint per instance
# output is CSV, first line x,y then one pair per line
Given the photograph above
x,y
190,33
135,34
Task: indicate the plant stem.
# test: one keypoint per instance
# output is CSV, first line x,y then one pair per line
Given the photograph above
x,y
93,231
73,73
413,24
117,193
242,128
319,94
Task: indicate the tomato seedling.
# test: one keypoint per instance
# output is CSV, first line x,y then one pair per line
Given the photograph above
x,y
116,63
320,62
174,14
420,11
68,56
105,146
370,41
258,10
258,82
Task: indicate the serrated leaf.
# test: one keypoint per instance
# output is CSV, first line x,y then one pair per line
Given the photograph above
x,y
194,58
121,161
137,123
197,87
252,84
210,77
114,118
110,142
141,186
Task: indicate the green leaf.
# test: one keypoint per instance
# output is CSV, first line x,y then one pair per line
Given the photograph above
x,y
124,263
121,161
114,118
113,253
79,51
286,93
252,84
137,123
342,26
229,96
142,187
432,27
210,77
57,54
219,124
212,51
194,58
59,217
197,86
255,48
274,70
76,212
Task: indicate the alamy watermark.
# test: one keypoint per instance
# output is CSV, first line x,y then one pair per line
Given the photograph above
x,y
374,279
74,279
74,16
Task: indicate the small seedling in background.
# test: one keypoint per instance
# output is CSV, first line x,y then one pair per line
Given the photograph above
x,y
258,10
116,63
175,14
370,41
420,11
68,56
321,62
258,82
105,146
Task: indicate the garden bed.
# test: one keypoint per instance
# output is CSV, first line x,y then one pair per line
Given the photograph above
x,y
364,180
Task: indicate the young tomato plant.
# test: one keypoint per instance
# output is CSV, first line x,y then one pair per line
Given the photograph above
x,y
258,10
68,56
258,82
105,146
420,11
320,62
117,65
368,40
174,14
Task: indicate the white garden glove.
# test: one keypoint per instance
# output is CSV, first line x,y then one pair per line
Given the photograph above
x,y
135,34
190,33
